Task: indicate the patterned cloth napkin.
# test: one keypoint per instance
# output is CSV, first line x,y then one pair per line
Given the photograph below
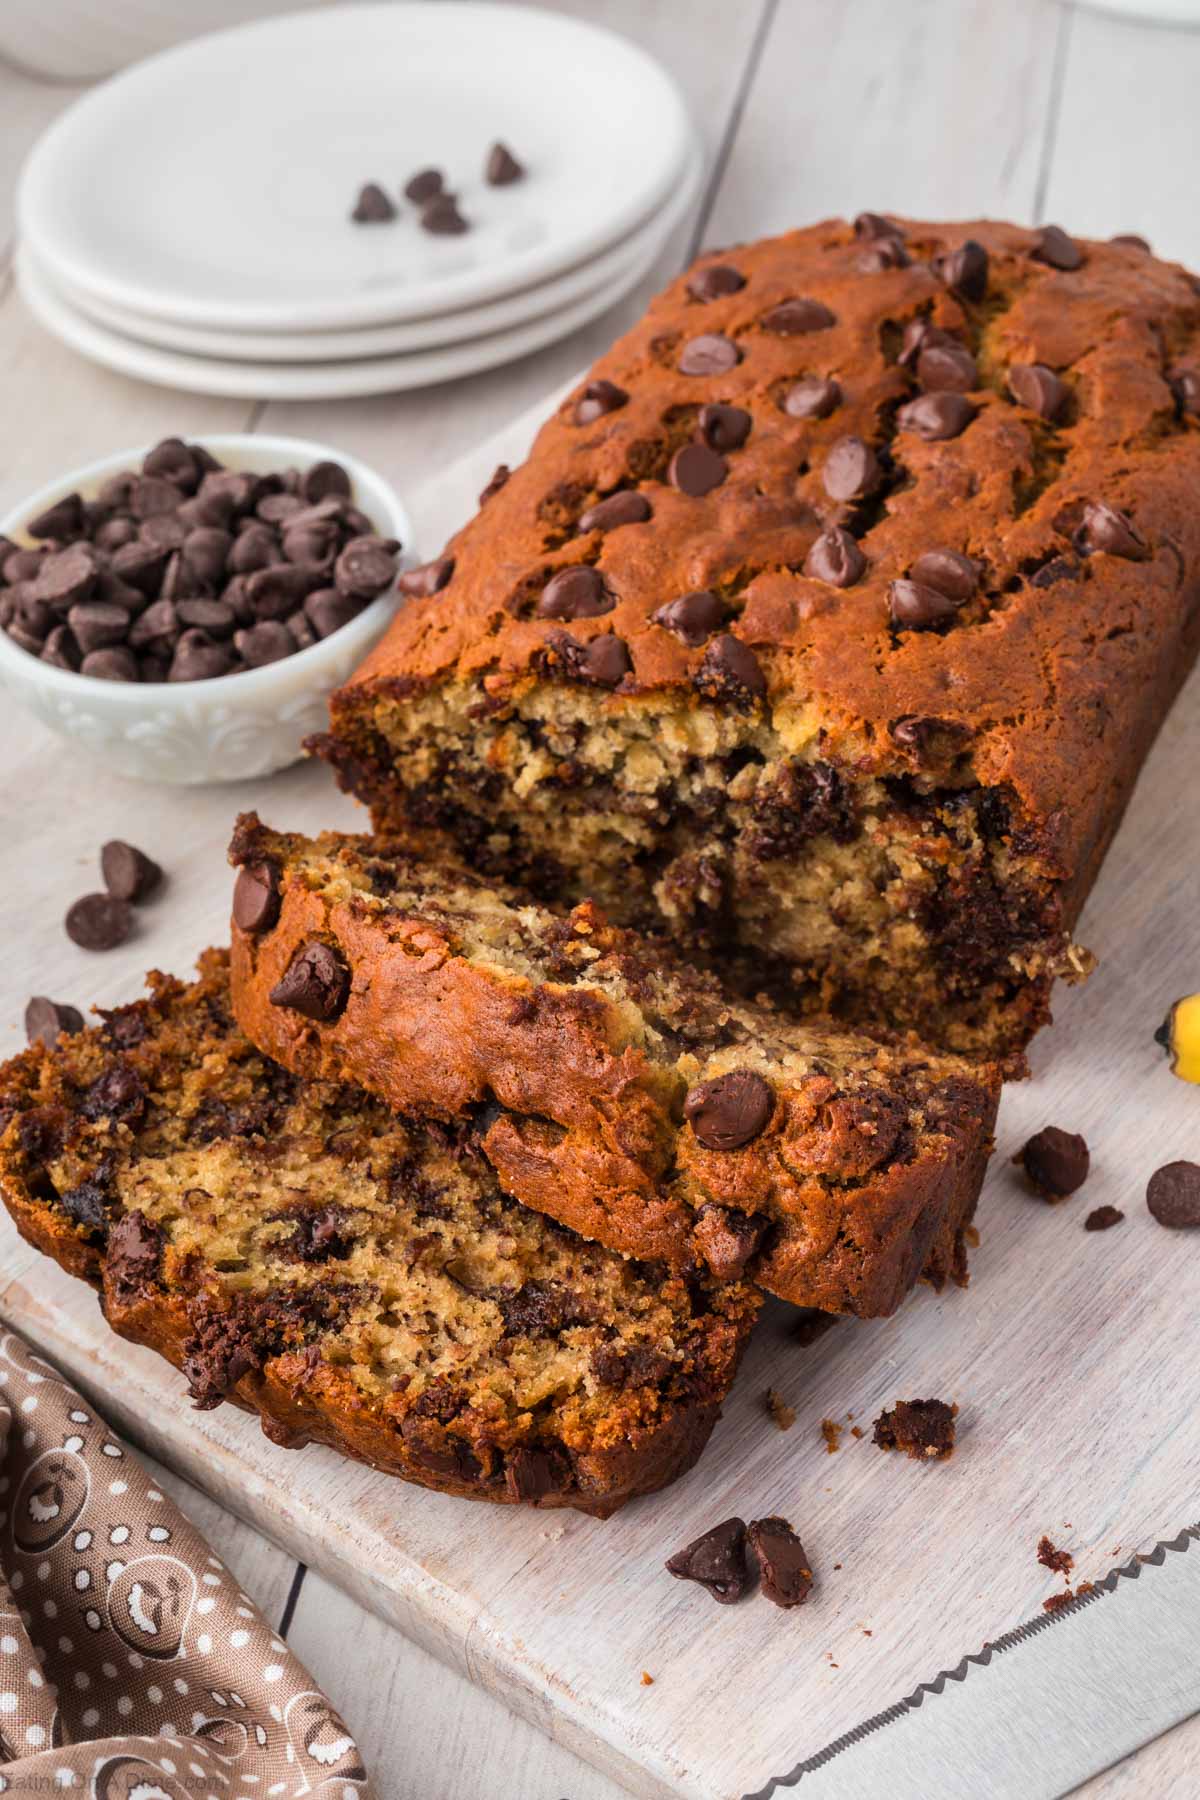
x,y
131,1665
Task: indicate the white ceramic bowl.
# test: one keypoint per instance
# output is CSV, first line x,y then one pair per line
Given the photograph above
x,y
230,727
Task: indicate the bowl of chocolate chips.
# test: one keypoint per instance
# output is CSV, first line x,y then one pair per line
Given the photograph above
x,y
184,611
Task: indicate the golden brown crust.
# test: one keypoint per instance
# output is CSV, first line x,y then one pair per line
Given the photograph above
x,y
863,1176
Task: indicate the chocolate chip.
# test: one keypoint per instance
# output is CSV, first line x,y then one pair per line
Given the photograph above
x,y
782,1565
1103,1218
717,1560
730,1110
1132,239
1185,385
366,567
95,624
888,253
113,533
1055,1162
948,572
1173,1195
500,475
173,461
920,334
86,1204
579,592
133,1257
427,578
1059,568
696,470
501,168
851,470
216,617
1057,249
151,496
117,1094
277,506
598,398
324,481
316,983
915,607
442,217
45,1019
256,897
709,354
529,1474
606,661
23,565
157,628
693,617
99,922
115,663
947,368
267,642
724,427
920,734
814,397
129,874
935,417
198,658
423,186
730,671
141,565
66,576
1104,528
872,225
965,270
372,206
59,522
206,551
836,558
325,612
60,649
313,543
715,281
793,318
627,507
1037,387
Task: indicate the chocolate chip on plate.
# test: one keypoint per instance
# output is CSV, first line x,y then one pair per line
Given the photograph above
x,y
427,578
729,1110
696,470
724,427
256,897
709,354
501,168
715,281
1057,249
46,1019
599,397
964,270
129,874
692,617
936,417
316,983
793,318
852,470
442,217
782,1565
373,206
836,558
1035,386
626,507
99,921
717,1560
422,186
1055,1162
579,592
915,606
1173,1195
813,397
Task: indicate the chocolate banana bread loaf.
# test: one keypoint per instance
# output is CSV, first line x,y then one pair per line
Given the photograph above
x,y
613,1087
830,619
355,1280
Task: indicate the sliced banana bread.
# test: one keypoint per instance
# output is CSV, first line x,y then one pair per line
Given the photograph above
x,y
359,1281
613,1087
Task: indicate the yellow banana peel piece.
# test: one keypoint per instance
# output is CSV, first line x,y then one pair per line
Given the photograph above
x,y
1179,1035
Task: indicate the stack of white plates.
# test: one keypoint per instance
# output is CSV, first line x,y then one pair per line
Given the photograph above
x,y
189,221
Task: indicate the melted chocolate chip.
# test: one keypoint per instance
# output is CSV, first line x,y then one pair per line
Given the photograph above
x,y
965,270
717,1560
936,417
714,282
814,397
709,354
627,507
852,470
730,671
1035,386
598,398
606,661
835,557
729,1110
696,470
794,318
578,592
1055,1162
692,617
316,983
1173,1195
256,897
117,1094
782,1565
724,427
133,1257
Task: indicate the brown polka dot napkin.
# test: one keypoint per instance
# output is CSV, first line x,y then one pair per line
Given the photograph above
x,y
132,1667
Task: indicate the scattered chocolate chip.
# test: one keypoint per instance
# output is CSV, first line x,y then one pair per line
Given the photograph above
x,y
696,470
852,470
730,671
422,186
316,983
129,874
45,1019
501,168
578,592
717,1560
1103,1218
63,520
782,1565
256,897
872,226
915,607
714,282
923,1429
724,427
947,368
1057,249
627,507
729,1110
836,558
936,417
1055,1162
692,617
442,217
366,567
597,399
115,663
372,206
499,478
813,397
1173,1195
1035,386
965,270
99,922
709,354
948,572
1106,529
606,661
426,579
793,318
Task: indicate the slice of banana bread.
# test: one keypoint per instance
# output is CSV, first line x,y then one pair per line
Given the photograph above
x,y
830,619
355,1280
614,1088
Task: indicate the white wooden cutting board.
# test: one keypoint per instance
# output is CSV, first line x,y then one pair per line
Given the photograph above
x,y
1072,1355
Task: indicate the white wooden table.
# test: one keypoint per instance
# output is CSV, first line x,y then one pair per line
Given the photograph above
x,y
949,108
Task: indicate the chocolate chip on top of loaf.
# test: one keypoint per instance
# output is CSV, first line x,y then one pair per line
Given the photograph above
x,y
356,1280
612,1086
830,619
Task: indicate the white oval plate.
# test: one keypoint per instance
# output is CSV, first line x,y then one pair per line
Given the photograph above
x,y
402,338
212,184
305,381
